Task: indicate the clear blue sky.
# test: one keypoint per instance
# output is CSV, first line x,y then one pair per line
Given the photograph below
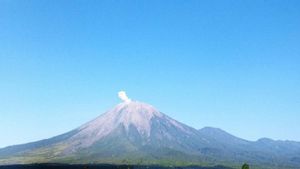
x,y
234,64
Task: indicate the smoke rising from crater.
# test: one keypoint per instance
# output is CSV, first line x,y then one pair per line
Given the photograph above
x,y
122,95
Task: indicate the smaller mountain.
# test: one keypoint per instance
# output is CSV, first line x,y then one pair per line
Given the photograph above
x,y
222,137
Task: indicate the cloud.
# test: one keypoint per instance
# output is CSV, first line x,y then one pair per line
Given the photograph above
x,y
122,95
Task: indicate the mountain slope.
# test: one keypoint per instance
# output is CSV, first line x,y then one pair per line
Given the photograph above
x,y
281,154
129,130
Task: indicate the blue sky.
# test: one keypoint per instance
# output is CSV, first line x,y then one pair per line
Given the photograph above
x,y
234,65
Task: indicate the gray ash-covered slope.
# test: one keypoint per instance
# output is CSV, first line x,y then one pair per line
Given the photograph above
x,y
131,131
135,132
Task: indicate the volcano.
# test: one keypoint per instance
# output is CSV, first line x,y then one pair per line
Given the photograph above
x,y
131,131
134,132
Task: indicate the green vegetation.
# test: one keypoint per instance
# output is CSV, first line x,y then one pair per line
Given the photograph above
x,y
245,166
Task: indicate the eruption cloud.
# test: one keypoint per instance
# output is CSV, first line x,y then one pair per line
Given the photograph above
x,y
122,95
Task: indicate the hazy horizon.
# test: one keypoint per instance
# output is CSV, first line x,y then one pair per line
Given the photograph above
x,y
232,65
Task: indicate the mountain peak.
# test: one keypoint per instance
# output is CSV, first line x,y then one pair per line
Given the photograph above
x,y
126,114
135,113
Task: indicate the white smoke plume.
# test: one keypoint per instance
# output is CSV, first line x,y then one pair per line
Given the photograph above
x,y
122,95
